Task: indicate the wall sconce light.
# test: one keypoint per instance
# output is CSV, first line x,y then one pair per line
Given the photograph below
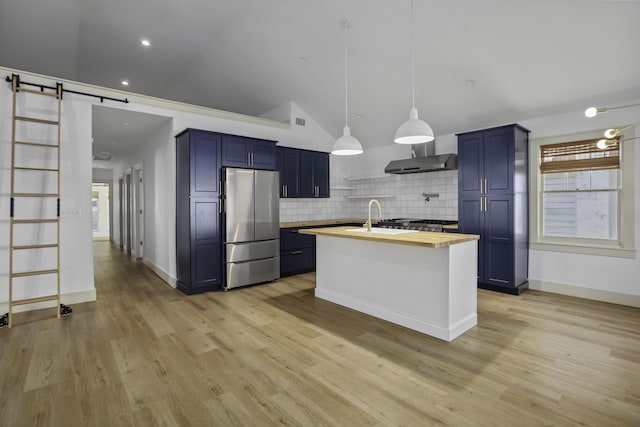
x,y
593,111
612,133
603,144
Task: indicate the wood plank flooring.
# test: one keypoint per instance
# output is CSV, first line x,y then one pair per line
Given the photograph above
x,y
145,354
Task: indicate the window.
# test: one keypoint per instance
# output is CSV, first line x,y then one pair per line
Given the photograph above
x,y
582,197
580,190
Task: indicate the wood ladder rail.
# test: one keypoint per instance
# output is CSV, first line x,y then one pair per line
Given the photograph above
x,y
18,195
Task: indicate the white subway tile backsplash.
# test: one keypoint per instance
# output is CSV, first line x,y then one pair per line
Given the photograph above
x,y
406,198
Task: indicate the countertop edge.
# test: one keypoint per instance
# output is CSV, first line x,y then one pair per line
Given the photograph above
x,y
320,222
425,238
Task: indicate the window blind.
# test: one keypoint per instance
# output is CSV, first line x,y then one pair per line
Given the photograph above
x,y
579,156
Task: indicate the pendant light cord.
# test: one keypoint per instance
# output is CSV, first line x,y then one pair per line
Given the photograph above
x,y
345,24
413,84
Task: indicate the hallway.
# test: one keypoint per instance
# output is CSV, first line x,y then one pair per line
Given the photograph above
x,y
146,354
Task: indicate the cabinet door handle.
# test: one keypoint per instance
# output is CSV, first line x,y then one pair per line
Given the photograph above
x,y
486,186
296,252
286,190
481,186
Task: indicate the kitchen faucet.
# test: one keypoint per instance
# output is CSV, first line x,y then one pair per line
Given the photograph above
x,y
368,223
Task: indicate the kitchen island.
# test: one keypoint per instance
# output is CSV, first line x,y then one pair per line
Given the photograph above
x,y
426,281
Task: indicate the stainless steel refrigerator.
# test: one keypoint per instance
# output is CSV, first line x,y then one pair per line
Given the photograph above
x,y
252,226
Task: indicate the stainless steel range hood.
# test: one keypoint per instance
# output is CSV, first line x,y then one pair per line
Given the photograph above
x,y
423,160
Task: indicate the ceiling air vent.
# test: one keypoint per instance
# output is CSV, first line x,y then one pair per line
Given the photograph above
x,y
103,157
300,121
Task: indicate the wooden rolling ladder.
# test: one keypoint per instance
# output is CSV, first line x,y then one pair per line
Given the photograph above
x,y
38,203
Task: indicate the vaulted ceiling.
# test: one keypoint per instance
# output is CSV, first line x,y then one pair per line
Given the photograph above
x,y
526,58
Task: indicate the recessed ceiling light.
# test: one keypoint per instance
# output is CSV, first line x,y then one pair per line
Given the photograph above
x,y
125,83
470,82
145,42
302,59
125,123
359,116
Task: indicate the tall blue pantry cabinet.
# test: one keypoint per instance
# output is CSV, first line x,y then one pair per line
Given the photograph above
x,y
198,236
493,202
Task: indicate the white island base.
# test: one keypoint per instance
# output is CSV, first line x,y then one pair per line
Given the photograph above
x,y
430,290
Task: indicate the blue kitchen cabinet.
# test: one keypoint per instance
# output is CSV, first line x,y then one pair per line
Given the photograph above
x,y
288,163
493,203
297,252
198,235
245,152
314,174
303,173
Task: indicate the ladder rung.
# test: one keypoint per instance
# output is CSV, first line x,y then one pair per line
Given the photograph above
x,y
37,144
36,169
36,120
37,92
35,195
35,299
34,273
48,245
34,220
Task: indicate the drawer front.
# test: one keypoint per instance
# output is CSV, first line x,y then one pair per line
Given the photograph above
x,y
248,273
238,252
290,239
297,261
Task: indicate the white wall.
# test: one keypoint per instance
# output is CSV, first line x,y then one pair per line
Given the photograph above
x,y
76,260
594,276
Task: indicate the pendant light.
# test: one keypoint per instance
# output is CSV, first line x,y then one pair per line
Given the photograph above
x,y
414,130
346,145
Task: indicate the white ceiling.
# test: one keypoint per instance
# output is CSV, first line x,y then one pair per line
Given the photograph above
x,y
528,58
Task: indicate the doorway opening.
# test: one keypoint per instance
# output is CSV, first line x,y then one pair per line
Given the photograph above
x,y
100,210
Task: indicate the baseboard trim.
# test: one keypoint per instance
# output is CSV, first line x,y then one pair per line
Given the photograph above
x,y
66,299
160,273
587,293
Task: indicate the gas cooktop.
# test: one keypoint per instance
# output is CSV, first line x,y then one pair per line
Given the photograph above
x,y
415,223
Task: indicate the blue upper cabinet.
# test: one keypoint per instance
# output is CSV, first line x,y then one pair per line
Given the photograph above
x,y
493,203
314,175
289,167
303,173
244,152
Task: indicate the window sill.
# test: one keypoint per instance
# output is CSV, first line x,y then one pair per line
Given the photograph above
x,y
584,249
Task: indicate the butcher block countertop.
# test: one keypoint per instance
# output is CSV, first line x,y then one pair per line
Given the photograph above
x,y
416,238
320,223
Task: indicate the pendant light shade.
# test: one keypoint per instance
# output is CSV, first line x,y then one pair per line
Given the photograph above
x,y
346,145
414,130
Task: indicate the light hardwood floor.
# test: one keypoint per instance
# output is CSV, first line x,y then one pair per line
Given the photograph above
x,y
146,354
